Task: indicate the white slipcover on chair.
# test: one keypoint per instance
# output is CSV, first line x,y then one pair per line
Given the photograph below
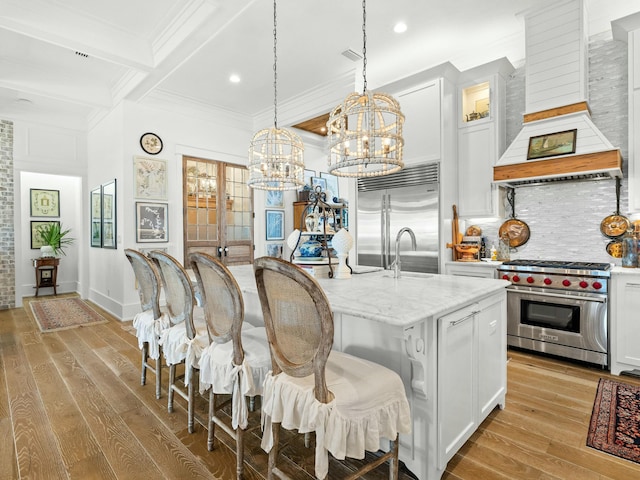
x,y
237,358
187,337
149,323
350,403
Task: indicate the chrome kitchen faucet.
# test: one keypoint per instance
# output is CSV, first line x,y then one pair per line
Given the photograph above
x,y
397,264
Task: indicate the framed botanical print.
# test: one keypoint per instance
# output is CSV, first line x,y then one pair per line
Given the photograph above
x,y
275,224
151,222
45,203
96,217
274,198
150,176
36,242
109,205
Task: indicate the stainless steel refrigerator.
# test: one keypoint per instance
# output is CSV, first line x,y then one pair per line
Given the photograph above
x,y
386,204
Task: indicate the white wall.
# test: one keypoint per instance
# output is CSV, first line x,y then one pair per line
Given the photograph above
x,y
49,157
184,130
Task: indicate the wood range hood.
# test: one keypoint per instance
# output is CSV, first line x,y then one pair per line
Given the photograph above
x,y
555,90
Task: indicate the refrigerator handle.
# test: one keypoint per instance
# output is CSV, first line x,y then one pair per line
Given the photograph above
x,y
386,222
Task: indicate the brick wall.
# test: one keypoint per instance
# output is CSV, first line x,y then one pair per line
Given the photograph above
x,y
7,236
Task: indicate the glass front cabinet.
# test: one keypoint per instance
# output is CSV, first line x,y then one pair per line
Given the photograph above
x,y
481,137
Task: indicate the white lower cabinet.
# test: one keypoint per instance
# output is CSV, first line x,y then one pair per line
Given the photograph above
x,y
457,383
471,269
471,371
625,326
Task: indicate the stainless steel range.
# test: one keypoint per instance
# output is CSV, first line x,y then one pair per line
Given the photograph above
x,y
560,308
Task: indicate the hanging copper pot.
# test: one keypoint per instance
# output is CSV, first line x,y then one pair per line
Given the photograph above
x,y
516,230
614,226
614,248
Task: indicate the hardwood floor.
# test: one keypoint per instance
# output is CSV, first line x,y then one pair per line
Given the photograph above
x,y
71,406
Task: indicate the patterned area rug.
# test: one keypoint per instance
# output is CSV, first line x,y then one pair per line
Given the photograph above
x,y
615,421
64,313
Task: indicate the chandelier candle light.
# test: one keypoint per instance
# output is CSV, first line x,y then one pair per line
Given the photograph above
x,y
365,131
276,154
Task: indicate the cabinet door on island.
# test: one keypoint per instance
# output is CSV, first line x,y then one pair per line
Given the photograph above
x,y
472,374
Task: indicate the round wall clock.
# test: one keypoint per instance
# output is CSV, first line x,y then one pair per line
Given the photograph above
x,y
151,143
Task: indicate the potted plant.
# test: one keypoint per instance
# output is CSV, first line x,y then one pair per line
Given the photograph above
x,y
55,239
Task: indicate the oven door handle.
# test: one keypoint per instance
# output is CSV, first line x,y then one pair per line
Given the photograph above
x,y
600,299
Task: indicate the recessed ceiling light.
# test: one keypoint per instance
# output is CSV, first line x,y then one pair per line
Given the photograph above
x,y
234,78
400,27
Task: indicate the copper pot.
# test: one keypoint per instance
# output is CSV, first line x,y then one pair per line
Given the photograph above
x,y
614,226
516,230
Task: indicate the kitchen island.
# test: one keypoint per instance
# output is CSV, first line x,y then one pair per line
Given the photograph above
x,y
444,335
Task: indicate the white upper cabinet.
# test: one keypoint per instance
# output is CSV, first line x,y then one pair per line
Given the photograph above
x,y
421,108
481,137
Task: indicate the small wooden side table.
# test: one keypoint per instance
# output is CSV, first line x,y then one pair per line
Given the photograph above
x,y
46,273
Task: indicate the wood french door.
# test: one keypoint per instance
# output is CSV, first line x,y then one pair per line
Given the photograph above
x,y
218,210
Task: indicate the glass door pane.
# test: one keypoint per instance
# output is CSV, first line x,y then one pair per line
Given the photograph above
x,y
218,208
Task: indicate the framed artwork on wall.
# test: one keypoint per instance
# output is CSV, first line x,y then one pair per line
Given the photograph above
x,y
96,217
275,224
552,144
151,222
308,175
318,181
274,198
150,176
109,208
35,238
333,189
45,203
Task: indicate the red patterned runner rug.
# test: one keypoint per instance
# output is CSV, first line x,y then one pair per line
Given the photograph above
x,y
64,313
615,420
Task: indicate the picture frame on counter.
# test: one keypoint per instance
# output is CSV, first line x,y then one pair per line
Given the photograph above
x,y
275,250
332,185
308,175
552,144
274,224
319,181
151,222
45,203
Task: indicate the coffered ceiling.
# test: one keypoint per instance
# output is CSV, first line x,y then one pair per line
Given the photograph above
x,y
81,57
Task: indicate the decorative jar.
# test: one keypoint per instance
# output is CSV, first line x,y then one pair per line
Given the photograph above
x,y
311,222
311,248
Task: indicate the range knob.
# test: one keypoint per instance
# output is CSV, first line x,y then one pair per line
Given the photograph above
x,y
583,284
597,285
548,281
530,280
505,277
516,278
566,282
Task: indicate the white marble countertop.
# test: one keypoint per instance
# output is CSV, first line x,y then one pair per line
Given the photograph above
x,y
617,270
399,302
